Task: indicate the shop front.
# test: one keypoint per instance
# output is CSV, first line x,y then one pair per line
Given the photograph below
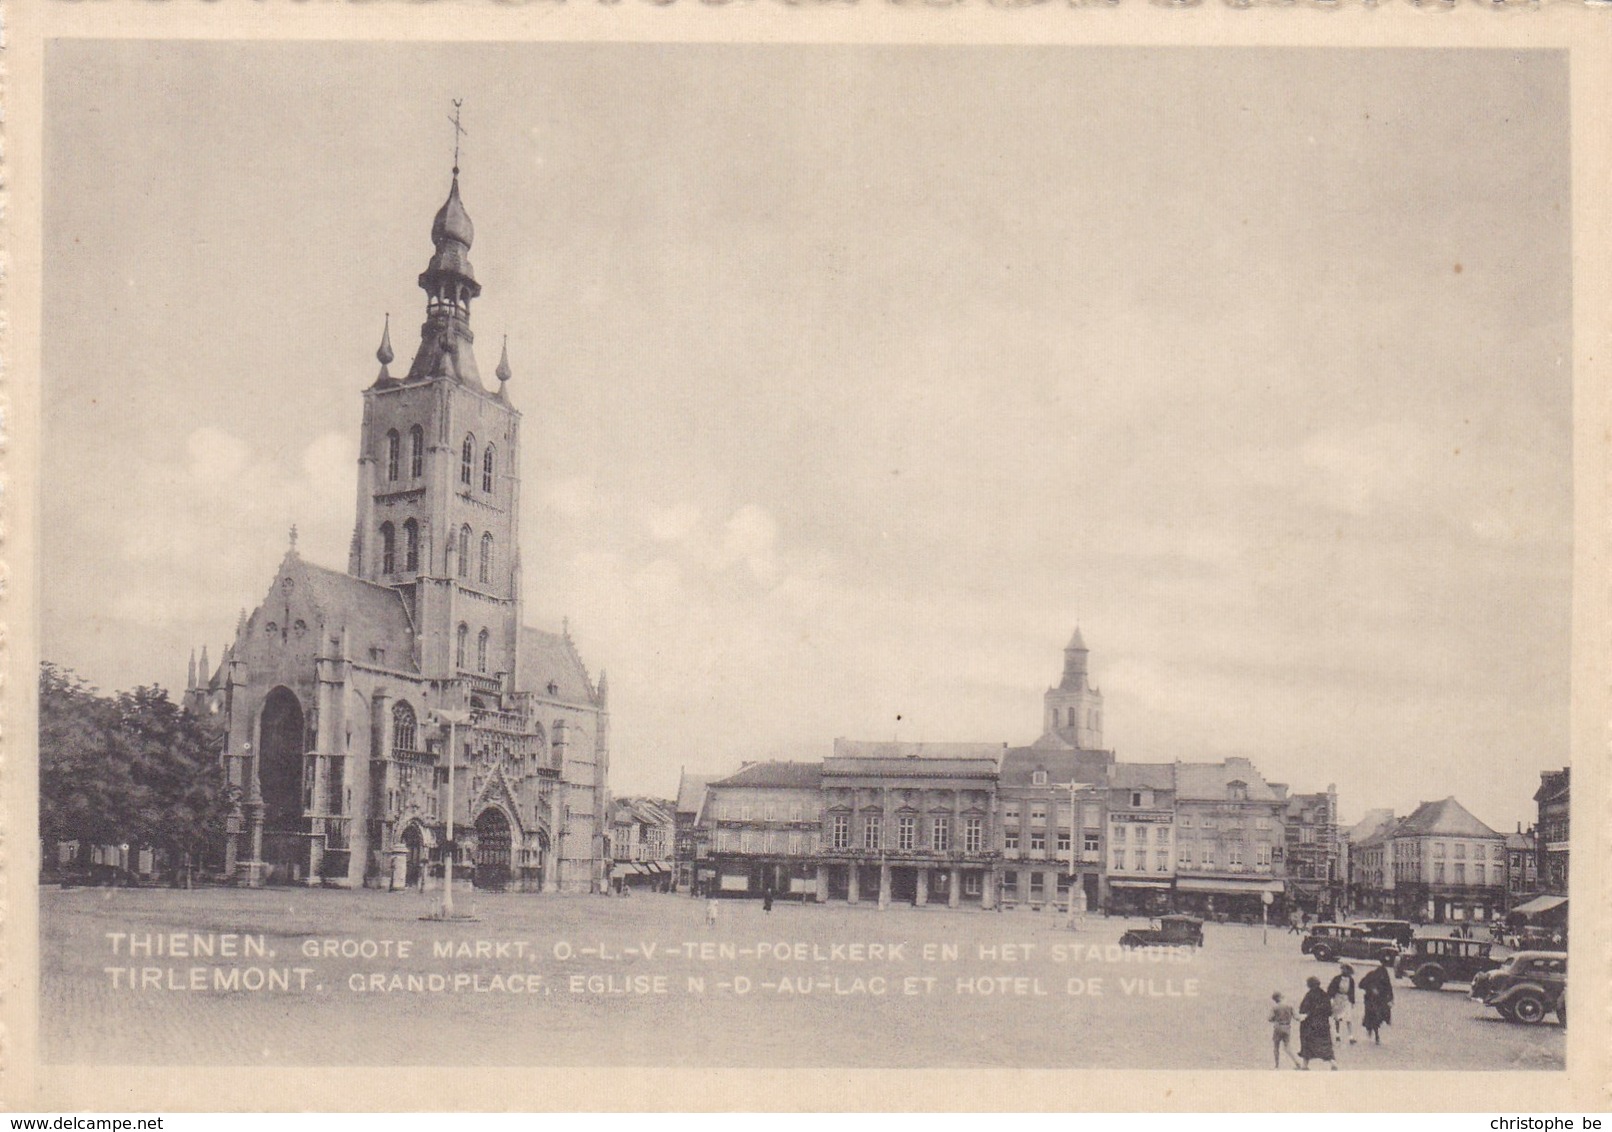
x,y
1228,898
1128,896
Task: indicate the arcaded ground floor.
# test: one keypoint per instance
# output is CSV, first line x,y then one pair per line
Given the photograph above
x,y
297,976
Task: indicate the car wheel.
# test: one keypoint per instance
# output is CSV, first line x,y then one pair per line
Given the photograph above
x,y
1529,1008
1429,978
1507,1012
1324,954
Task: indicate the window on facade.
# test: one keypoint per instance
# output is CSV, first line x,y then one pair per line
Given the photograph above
x,y
1064,841
1010,812
416,452
973,834
1010,885
906,831
487,470
1262,856
1121,832
1460,850
971,884
487,557
1091,843
1184,856
388,548
1306,835
467,460
1037,886
1138,860
842,831
459,647
872,832
1039,778
1090,815
1136,797
1438,872
1234,856
481,652
1038,841
940,834
411,546
1119,860
1460,872
1010,839
464,551
1438,850
1038,813
1237,791
404,737
393,445
1262,822
1161,860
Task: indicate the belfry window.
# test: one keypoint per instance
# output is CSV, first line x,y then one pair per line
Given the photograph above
x,y
487,557
487,470
481,651
411,546
416,452
393,446
403,732
459,650
464,551
388,548
467,459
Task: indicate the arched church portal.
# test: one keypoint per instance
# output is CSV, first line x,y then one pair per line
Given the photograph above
x,y
280,760
493,837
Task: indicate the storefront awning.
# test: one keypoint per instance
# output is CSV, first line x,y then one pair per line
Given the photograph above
x,y
1124,882
1539,905
1228,885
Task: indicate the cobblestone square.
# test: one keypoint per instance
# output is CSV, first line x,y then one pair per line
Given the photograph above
x,y
307,976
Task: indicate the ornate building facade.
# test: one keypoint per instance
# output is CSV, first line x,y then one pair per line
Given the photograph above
x,y
341,690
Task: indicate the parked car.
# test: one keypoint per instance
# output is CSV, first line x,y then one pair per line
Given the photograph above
x,y
1346,941
90,876
1526,987
1167,931
1400,931
1432,961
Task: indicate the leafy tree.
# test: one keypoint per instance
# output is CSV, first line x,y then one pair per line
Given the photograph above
x,y
132,769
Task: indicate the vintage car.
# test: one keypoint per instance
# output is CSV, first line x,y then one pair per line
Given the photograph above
x,y
1526,987
1400,931
1432,961
1167,931
1346,941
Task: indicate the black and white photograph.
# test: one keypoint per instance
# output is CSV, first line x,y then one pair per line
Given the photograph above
x,y
815,556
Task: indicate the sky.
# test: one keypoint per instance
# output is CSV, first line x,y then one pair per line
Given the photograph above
x,y
853,378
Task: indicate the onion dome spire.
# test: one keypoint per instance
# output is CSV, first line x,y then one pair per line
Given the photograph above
x,y
503,370
384,355
449,283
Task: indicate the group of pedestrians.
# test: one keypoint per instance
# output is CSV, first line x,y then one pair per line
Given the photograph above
x,y
1327,1017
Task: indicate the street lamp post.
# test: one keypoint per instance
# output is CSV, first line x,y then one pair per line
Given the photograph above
x,y
1074,868
450,850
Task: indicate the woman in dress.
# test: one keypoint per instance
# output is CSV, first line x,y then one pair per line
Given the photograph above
x,y
1378,987
1315,1025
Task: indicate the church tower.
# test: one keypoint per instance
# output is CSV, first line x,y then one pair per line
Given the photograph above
x,y
1074,709
438,483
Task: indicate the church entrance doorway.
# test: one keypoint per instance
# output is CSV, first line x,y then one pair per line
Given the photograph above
x,y
492,849
280,762
414,843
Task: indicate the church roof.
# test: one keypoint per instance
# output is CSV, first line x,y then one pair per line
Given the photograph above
x,y
550,658
1444,818
375,616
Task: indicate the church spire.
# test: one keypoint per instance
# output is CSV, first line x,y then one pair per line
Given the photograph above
x,y
449,283
384,355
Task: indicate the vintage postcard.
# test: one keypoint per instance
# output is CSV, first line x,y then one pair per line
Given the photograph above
x,y
574,557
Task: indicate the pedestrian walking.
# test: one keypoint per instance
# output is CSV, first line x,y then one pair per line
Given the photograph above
x,y
710,911
1315,1025
1281,1032
1342,993
766,901
1293,927
1378,990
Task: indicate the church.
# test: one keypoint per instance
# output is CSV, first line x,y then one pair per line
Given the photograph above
x,y
341,691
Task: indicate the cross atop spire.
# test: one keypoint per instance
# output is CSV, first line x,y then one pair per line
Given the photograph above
x,y
458,132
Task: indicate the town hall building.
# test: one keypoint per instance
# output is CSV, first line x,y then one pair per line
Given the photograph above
x,y
341,689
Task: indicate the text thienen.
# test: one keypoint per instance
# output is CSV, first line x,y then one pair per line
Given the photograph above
x,y
209,978
187,945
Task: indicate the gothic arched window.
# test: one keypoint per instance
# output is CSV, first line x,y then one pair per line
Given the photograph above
x,y
393,446
411,546
464,551
416,452
467,458
487,470
481,652
404,737
459,650
487,557
388,548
